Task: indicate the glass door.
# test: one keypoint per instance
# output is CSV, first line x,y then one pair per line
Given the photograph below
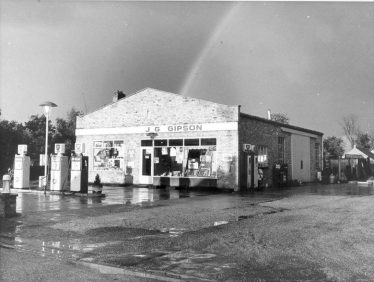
x,y
146,172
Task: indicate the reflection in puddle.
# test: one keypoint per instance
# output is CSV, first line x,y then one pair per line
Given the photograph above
x,y
173,232
57,248
146,195
34,201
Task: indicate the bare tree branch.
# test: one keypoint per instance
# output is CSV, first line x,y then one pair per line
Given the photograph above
x,y
351,128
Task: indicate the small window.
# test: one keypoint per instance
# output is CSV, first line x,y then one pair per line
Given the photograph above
x,y
161,142
191,142
301,164
208,141
176,142
146,143
262,152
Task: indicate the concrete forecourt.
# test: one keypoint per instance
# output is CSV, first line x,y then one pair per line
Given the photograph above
x,y
311,232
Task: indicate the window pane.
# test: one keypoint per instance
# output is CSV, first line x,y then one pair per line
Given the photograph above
x,y
262,152
191,142
146,143
176,142
208,141
161,142
108,144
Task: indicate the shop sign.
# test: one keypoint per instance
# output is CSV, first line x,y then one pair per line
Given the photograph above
x,y
248,147
187,127
175,128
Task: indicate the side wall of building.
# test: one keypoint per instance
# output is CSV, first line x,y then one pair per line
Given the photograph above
x,y
263,133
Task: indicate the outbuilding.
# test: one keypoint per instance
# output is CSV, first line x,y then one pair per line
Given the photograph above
x,y
158,138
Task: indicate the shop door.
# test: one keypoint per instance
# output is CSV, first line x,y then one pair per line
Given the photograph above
x,y
146,172
300,152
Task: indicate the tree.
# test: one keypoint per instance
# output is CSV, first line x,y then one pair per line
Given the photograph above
x,y
333,146
65,130
351,128
364,140
279,117
12,134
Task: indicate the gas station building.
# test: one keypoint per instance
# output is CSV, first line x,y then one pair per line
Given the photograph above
x,y
157,138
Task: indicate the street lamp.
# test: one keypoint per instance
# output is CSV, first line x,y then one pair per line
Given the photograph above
x,y
47,109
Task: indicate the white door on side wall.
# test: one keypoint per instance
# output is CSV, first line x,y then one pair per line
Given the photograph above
x,y
146,166
300,153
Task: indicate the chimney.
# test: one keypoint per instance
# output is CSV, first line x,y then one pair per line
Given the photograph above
x,y
118,96
269,114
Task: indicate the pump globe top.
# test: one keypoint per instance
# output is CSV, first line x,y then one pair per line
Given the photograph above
x,y
47,105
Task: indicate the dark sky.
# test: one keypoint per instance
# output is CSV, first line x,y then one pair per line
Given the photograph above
x,y
313,61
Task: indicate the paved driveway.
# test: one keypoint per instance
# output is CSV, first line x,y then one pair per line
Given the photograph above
x,y
312,232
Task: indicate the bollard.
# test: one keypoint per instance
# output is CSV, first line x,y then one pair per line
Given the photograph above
x,y
6,183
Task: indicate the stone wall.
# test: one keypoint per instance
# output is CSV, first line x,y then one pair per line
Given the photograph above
x,y
227,156
152,107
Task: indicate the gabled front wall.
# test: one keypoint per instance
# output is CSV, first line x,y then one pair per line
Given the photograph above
x,y
152,107
168,115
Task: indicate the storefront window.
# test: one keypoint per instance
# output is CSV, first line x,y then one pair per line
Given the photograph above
x,y
262,152
146,143
168,161
200,162
108,154
161,142
171,158
176,142
208,141
191,142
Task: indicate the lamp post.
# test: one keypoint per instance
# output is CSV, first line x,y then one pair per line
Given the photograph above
x,y
47,109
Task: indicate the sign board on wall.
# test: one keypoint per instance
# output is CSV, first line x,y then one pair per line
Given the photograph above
x,y
60,148
219,126
79,148
248,147
22,149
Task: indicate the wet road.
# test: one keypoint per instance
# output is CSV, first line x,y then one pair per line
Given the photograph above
x,y
134,227
34,201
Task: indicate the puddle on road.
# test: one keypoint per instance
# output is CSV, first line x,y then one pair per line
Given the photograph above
x,y
173,232
242,217
29,202
184,263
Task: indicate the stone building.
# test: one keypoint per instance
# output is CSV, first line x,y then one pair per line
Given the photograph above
x,y
160,138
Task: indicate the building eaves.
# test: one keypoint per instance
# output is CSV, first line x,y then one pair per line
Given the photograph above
x,y
281,124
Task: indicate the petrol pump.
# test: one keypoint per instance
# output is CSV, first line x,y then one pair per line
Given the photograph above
x,y
59,169
252,175
79,171
21,168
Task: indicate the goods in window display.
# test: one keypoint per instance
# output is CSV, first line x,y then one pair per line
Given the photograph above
x,y
108,155
183,161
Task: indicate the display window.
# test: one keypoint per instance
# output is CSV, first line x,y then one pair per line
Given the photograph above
x,y
108,155
201,162
185,157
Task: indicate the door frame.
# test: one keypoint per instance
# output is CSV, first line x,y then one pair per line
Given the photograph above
x,y
146,179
